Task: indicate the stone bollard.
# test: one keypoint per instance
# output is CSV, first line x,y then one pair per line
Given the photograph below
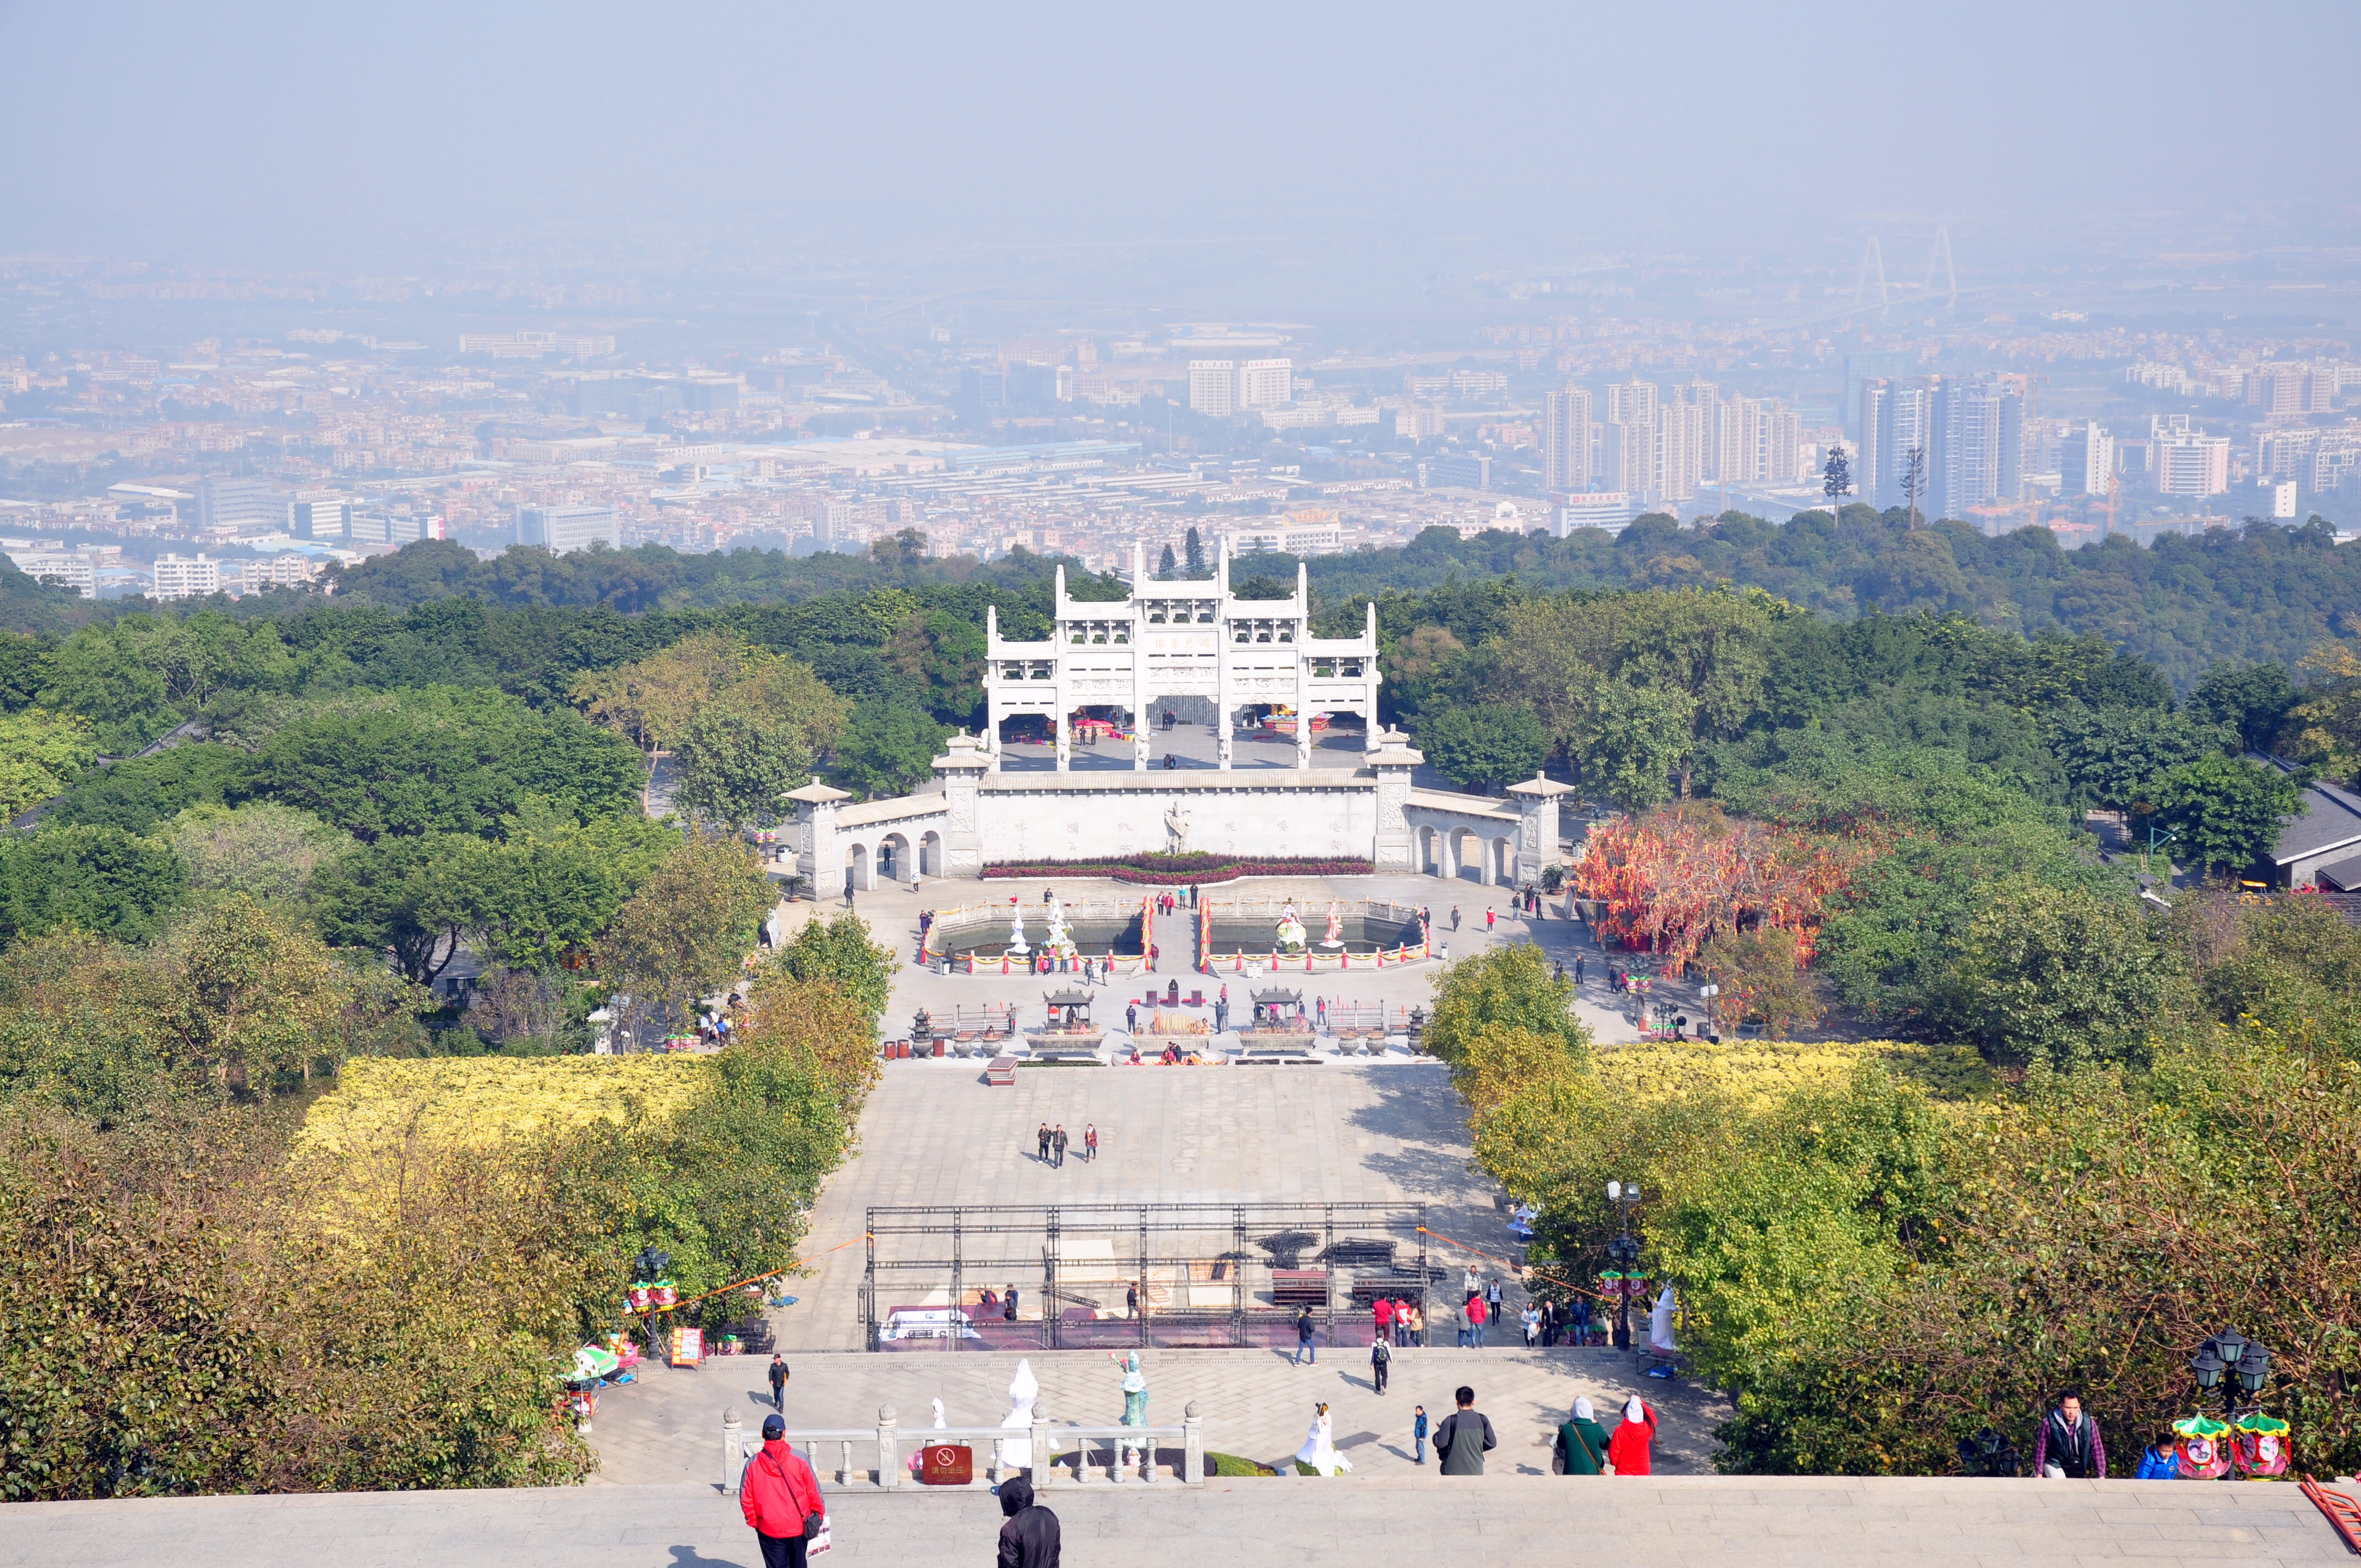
x,y
1193,1447
889,1463
733,1454
1043,1470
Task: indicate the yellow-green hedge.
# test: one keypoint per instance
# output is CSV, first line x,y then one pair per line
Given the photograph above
x,y
482,1102
1760,1072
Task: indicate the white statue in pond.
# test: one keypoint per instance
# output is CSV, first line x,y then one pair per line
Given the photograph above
x,y
1057,941
1017,943
1291,934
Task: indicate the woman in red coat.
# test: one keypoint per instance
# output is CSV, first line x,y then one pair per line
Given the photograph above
x,y
1627,1449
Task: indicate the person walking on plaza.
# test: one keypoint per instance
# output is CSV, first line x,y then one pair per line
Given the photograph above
x,y
1131,1299
1582,1442
1008,1306
780,1498
1383,1311
1418,1434
1492,1297
1577,971
1304,1349
1058,1147
1044,1138
1131,1017
1401,1324
1465,1437
2067,1443
778,1384
1490,919
1381,1360
1476,1318
1531,1319
1455,917
1634,1436
1030,1537
1090,1142
1460,1325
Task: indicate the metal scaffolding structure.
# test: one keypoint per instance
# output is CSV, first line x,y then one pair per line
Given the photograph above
x,y
915,1294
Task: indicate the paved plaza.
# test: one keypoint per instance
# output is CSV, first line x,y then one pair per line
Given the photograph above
x,y
892,914
1729,1522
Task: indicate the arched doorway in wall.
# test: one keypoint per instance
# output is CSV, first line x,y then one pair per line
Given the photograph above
x,y
856,867
1503,862
1426,862
1467,855
894,858
930,854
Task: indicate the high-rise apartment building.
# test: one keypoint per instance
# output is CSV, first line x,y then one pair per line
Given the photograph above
x,y
1631,460
1680,449
1966,460
1786,457
1214,388
1262,383
184,578
1872,365
2086,460
1734,444
2188,465
562,529
1565,440
1893,421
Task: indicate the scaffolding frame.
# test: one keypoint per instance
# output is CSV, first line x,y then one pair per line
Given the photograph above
x,y
1049,1223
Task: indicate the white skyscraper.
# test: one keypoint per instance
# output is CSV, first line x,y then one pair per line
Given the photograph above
x,y
1736,441
1680,444
2087,460
1262,383
1213,387
1565,440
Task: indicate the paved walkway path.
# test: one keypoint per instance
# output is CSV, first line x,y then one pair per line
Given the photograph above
x,y
1348,1523
1253,1402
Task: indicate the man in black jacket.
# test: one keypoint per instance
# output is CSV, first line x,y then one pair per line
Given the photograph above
x,y
1029,1539
1465,1437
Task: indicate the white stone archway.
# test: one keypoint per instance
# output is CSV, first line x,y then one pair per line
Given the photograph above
x,y
894,863
930,854
857,868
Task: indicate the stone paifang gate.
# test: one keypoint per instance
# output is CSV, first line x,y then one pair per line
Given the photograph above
x,y
1189,640
1180,640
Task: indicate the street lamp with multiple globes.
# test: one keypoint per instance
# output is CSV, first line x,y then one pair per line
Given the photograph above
x,y
1624,1253
2231,1353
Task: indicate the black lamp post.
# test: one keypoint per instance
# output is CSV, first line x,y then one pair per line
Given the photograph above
x,y
2231,1355
1624,1252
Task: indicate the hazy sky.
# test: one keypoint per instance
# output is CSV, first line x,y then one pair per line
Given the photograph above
x,y
350,138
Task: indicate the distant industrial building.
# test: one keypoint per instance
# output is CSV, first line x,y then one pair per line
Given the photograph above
x,y
1612,510
239,504
564,530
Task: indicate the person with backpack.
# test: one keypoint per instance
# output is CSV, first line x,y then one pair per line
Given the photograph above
x,y
2068,1444
1465,1437
1582,1442
1381,1360
780,1498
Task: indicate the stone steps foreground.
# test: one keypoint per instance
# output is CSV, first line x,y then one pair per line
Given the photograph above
x,y
1492,1520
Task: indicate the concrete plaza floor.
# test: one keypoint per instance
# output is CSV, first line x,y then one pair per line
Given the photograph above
x,y
1726,1522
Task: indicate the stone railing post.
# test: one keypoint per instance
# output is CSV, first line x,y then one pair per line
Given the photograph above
x,y
1043,1470
1193,1447
733,1453
889,1464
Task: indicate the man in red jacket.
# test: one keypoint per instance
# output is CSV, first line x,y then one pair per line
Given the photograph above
x,y
778,1492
